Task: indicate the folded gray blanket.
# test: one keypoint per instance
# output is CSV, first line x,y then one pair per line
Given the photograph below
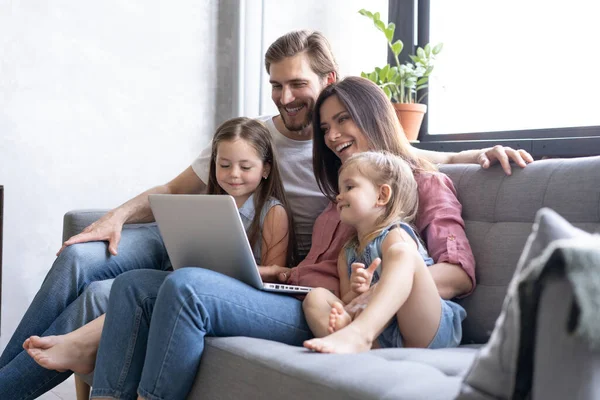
x,y
579,261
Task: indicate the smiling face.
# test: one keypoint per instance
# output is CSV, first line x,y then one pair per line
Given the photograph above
x,y
294,90
239,169
342,135
359,199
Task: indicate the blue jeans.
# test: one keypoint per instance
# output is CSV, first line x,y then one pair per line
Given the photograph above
x,y
22,377
156,322
54,310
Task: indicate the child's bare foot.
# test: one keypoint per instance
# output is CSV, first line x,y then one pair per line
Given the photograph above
x,y
62,353
346,340
338,318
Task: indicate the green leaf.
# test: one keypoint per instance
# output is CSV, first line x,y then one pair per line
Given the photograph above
x,y
366,13
391,73
397,47
388,92
428,50
373,77
414,58
422,80
389,32
438,48
380,25
420,53
364,75
377,16
422,87
383,73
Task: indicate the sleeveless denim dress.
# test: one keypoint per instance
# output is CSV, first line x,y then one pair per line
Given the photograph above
x,y
449,332
247,212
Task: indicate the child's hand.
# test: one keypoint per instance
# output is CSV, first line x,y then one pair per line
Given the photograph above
x,y
361,277
274,273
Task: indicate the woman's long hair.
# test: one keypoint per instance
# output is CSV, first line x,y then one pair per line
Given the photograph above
x,y
374,115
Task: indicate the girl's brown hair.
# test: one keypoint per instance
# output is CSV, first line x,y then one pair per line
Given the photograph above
x,y
385,168
257,135
374,115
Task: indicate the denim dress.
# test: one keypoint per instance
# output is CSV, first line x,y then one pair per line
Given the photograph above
x,y
449,333
247,212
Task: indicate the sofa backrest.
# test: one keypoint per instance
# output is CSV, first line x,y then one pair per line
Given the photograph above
x,y
499,211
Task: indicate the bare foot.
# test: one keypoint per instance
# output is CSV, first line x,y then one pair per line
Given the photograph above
x,y
338,317
345,341
61,353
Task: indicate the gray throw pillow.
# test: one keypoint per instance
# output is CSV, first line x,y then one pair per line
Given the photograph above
x,y
492,374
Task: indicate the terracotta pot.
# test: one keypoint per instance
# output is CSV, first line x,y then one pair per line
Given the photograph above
x,y
410,116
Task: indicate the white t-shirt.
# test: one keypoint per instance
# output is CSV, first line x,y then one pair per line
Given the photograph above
x,y
295,164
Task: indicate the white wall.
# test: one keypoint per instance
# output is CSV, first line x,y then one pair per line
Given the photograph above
x,y
102,100
99,100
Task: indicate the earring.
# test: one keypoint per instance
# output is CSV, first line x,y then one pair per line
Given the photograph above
x,y
265,176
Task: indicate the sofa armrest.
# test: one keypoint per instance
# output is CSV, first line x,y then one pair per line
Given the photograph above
x,y
75,221
564,365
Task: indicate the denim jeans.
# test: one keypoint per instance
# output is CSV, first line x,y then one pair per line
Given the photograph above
x,y
54,310
156,322
22,377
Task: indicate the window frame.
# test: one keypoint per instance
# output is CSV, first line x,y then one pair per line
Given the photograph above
x,y
545,142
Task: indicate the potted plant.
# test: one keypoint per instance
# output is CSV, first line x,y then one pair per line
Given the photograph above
x,y
402,82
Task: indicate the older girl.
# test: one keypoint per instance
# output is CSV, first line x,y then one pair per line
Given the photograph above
x,y
243,165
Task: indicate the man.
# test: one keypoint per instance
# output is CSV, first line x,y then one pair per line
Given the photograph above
x,y
300,65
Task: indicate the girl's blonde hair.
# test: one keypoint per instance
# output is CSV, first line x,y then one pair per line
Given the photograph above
x,y
258,136
385,168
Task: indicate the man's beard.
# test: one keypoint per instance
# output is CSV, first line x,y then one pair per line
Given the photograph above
x,y
296,127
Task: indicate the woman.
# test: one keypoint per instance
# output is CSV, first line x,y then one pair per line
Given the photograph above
x,y
154,338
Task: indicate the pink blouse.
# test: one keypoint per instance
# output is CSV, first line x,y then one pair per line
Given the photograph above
x,y
439,223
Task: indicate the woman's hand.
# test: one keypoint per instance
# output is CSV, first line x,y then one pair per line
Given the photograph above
x,y
274,273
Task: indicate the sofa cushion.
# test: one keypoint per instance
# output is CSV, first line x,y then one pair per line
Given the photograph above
x,y
499,212
492,375
254,368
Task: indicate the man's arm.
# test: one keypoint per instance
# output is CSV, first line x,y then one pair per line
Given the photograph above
x,y
484,157
137,210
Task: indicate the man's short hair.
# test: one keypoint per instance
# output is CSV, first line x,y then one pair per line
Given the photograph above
x,y
313,43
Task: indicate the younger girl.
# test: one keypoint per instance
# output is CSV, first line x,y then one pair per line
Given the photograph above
x,y
243,165
378,197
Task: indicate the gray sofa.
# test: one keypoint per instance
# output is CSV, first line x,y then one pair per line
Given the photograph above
x,y
499,212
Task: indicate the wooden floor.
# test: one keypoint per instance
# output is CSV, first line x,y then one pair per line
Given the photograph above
x,y
64,391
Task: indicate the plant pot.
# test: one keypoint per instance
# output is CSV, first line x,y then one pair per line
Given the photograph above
x,y
410,116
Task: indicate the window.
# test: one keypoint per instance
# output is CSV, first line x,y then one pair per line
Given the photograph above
x,y
525,73
514,65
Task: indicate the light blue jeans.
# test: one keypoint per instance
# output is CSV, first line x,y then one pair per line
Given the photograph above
x,y
156,322
59,306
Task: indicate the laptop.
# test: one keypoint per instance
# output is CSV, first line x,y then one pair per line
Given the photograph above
x,y
207,231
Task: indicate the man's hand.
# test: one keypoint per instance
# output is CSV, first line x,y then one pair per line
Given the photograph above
x,y
107,228
361,277
274,273
504,155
